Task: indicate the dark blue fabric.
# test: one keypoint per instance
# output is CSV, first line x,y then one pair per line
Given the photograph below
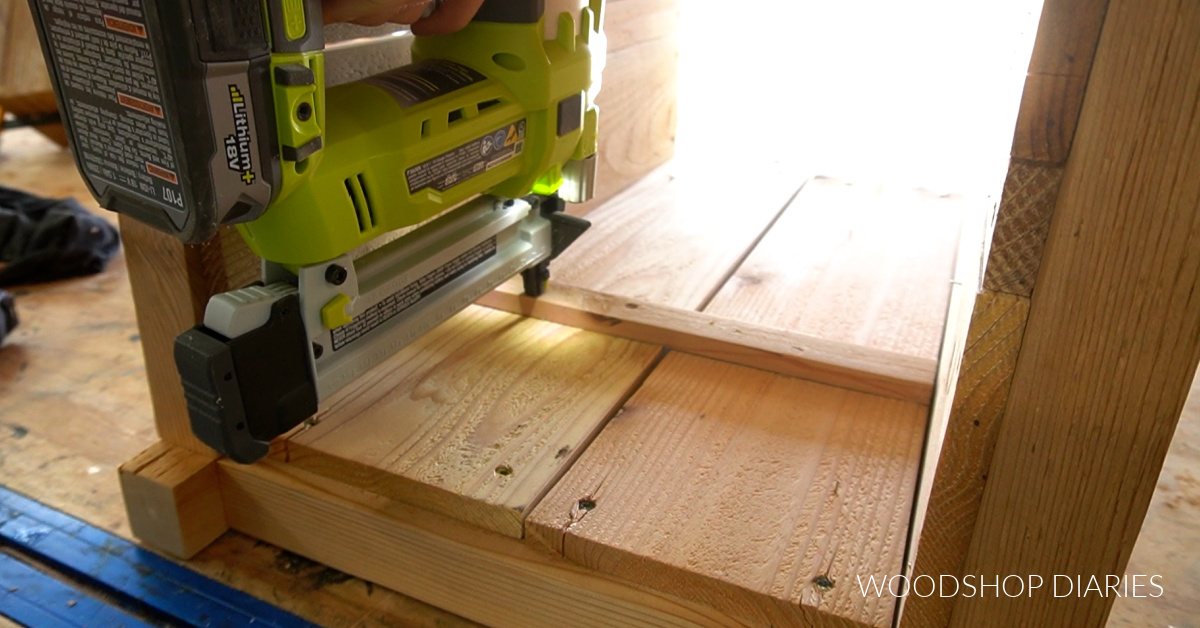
x,y
47,239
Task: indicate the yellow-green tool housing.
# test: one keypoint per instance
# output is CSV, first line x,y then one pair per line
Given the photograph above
x,y
357,186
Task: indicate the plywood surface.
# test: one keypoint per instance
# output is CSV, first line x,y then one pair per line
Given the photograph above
x,y
72,381
858,264
477,419
745,490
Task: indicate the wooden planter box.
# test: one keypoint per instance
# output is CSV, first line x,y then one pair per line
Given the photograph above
x,y
692,429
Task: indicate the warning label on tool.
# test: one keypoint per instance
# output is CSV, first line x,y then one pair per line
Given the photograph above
x,y
111,92
469,160
412,294
425,80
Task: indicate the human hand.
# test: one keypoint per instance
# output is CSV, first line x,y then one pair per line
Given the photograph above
x,y
449,16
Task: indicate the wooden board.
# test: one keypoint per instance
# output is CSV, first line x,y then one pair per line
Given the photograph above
x,y
168,301
956,354
496,580
1113,336
173,499
958,473
25,86
826,361
743,490
1067,36
317,592
861,265
1054,91
637,100
673,239
477,419
1170,535
1046,121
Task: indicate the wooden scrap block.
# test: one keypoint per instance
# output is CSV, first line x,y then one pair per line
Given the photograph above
x,y
173,499
477,419
762,496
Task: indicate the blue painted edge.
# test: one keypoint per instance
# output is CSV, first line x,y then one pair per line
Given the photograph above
x,y
33,598
129,572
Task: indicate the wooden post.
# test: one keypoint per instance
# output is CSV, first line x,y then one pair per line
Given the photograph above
x,y
1107,355
25,88
1113,337
981,379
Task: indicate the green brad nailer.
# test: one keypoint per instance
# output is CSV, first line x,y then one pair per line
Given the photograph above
x,y
190,114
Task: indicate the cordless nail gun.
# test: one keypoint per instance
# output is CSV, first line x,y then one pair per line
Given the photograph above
x,y
190,114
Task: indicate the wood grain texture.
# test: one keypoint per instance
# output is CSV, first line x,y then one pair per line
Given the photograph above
x,y
977,227
859,265
1170,534
738,489
166,306
628,23
1066,37
1047,117
321,594
825,361
637,101
173,499
1026,206
1113,336
25,86
477,419
5,17
669,240
980,397
485,577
